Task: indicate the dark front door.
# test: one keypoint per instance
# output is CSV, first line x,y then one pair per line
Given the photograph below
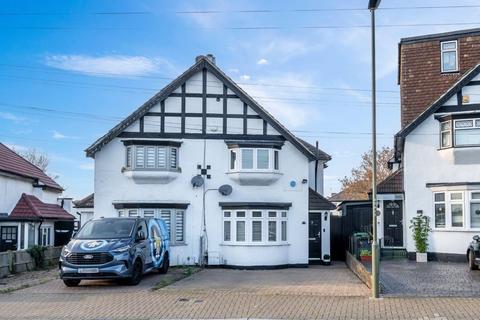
x,y
393,223
315,237
8,238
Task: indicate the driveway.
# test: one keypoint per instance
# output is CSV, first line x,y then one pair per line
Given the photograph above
x,y
431,279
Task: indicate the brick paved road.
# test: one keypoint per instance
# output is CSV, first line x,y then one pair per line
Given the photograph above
x,y
316,293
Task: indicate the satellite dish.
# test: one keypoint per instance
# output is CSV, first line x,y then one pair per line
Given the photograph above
x,y
197,181
225,190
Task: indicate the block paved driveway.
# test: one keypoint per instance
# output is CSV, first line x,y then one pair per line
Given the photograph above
x,y
315,293
432,279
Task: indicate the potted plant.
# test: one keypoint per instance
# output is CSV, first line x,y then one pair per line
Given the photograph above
x,y
420,226
365,255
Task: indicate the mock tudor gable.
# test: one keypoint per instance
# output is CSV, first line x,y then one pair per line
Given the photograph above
x,y
204,103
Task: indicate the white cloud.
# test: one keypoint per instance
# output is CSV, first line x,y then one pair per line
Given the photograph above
x,y
87,166
262,62
233,70
109,65
11,117
59,136
245,77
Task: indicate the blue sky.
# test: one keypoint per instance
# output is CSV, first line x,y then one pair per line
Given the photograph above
x,y
72,57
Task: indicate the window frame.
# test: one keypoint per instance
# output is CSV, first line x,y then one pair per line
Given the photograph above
x,y
443,51
236,162
442,132
444,203
280,220
473,127
171,154
470,202
456,202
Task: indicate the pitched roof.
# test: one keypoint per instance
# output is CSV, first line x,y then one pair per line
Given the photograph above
x,y
317,202
29,206
203,62
442,36
13,163
323,156
87,202
437,104
392,184
346,196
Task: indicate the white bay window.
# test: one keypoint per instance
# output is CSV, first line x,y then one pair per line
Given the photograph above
x,y
254,227
456,209
254,159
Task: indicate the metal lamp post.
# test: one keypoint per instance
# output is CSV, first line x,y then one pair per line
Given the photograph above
x,y
372,6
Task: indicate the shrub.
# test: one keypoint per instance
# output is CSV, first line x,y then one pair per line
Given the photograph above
x,y
38,255
420,226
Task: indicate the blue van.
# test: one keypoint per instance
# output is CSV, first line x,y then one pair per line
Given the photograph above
x,y
116,248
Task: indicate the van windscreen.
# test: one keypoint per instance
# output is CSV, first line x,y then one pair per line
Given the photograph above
x,y
106,229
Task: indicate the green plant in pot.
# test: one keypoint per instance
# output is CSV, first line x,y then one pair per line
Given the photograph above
x,y
365,255
420,226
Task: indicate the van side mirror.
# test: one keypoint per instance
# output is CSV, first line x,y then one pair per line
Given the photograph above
x,y
140,236
476,238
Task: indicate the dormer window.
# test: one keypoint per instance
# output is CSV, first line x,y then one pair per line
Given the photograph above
x,y
449,56
460,133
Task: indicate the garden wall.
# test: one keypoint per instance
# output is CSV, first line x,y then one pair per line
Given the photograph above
x,y
20,261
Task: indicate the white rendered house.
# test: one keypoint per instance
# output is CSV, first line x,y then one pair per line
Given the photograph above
x,y
171,156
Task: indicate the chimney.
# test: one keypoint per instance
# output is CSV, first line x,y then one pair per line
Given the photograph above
x,y
66,204
210,57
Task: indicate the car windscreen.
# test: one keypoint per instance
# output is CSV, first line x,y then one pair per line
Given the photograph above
x,y
106,229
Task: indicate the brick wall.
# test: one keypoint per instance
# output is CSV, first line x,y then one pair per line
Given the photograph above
x,y
421,80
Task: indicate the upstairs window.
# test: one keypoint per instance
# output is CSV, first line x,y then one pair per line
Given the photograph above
x,y
446,134
467,132
449,56
139,157
254,159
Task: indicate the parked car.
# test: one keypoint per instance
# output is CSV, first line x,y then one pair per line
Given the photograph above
x,y
473,253
116,248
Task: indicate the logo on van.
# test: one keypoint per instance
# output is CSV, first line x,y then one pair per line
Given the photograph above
x,y
92,245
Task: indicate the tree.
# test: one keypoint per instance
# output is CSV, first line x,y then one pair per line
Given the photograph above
x,y
37,158
359,184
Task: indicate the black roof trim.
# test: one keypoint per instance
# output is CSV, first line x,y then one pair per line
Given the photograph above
x,y
441,36
317,202
152,142
255,205
450,184
150,205
254,144
202,63
467,77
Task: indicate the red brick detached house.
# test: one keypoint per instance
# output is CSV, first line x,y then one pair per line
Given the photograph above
x,y
31,211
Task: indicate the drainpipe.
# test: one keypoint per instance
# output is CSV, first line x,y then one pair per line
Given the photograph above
x,y
316,166
39,238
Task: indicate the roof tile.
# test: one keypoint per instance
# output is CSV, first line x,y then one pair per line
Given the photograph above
x,y
29,206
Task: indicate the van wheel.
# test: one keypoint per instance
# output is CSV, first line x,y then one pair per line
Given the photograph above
x,y
71,282
471,261
137,273
165,264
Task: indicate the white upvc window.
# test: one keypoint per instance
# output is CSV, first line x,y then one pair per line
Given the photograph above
x,y
174,219
445,134
467,132
449,56
439,209
254,159
475,209
254,227
46,236
139,157
456,209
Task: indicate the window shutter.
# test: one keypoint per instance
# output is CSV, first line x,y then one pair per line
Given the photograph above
x,y
179,223
140,157
173,158
150,157
257,231
227,233
161,157
129,157
284,230
165,215
272,231
240,231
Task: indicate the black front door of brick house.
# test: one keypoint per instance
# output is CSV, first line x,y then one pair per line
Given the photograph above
x,y
8,238
315,237
393,223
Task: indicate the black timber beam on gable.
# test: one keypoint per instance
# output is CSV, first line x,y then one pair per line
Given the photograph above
x,y
168,135
183,96
204,100
440,101
460,109
225,97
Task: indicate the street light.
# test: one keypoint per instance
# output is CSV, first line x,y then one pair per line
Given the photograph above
x,y
372,6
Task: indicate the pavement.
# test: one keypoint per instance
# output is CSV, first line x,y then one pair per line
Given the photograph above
x,y
320,292
404,278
